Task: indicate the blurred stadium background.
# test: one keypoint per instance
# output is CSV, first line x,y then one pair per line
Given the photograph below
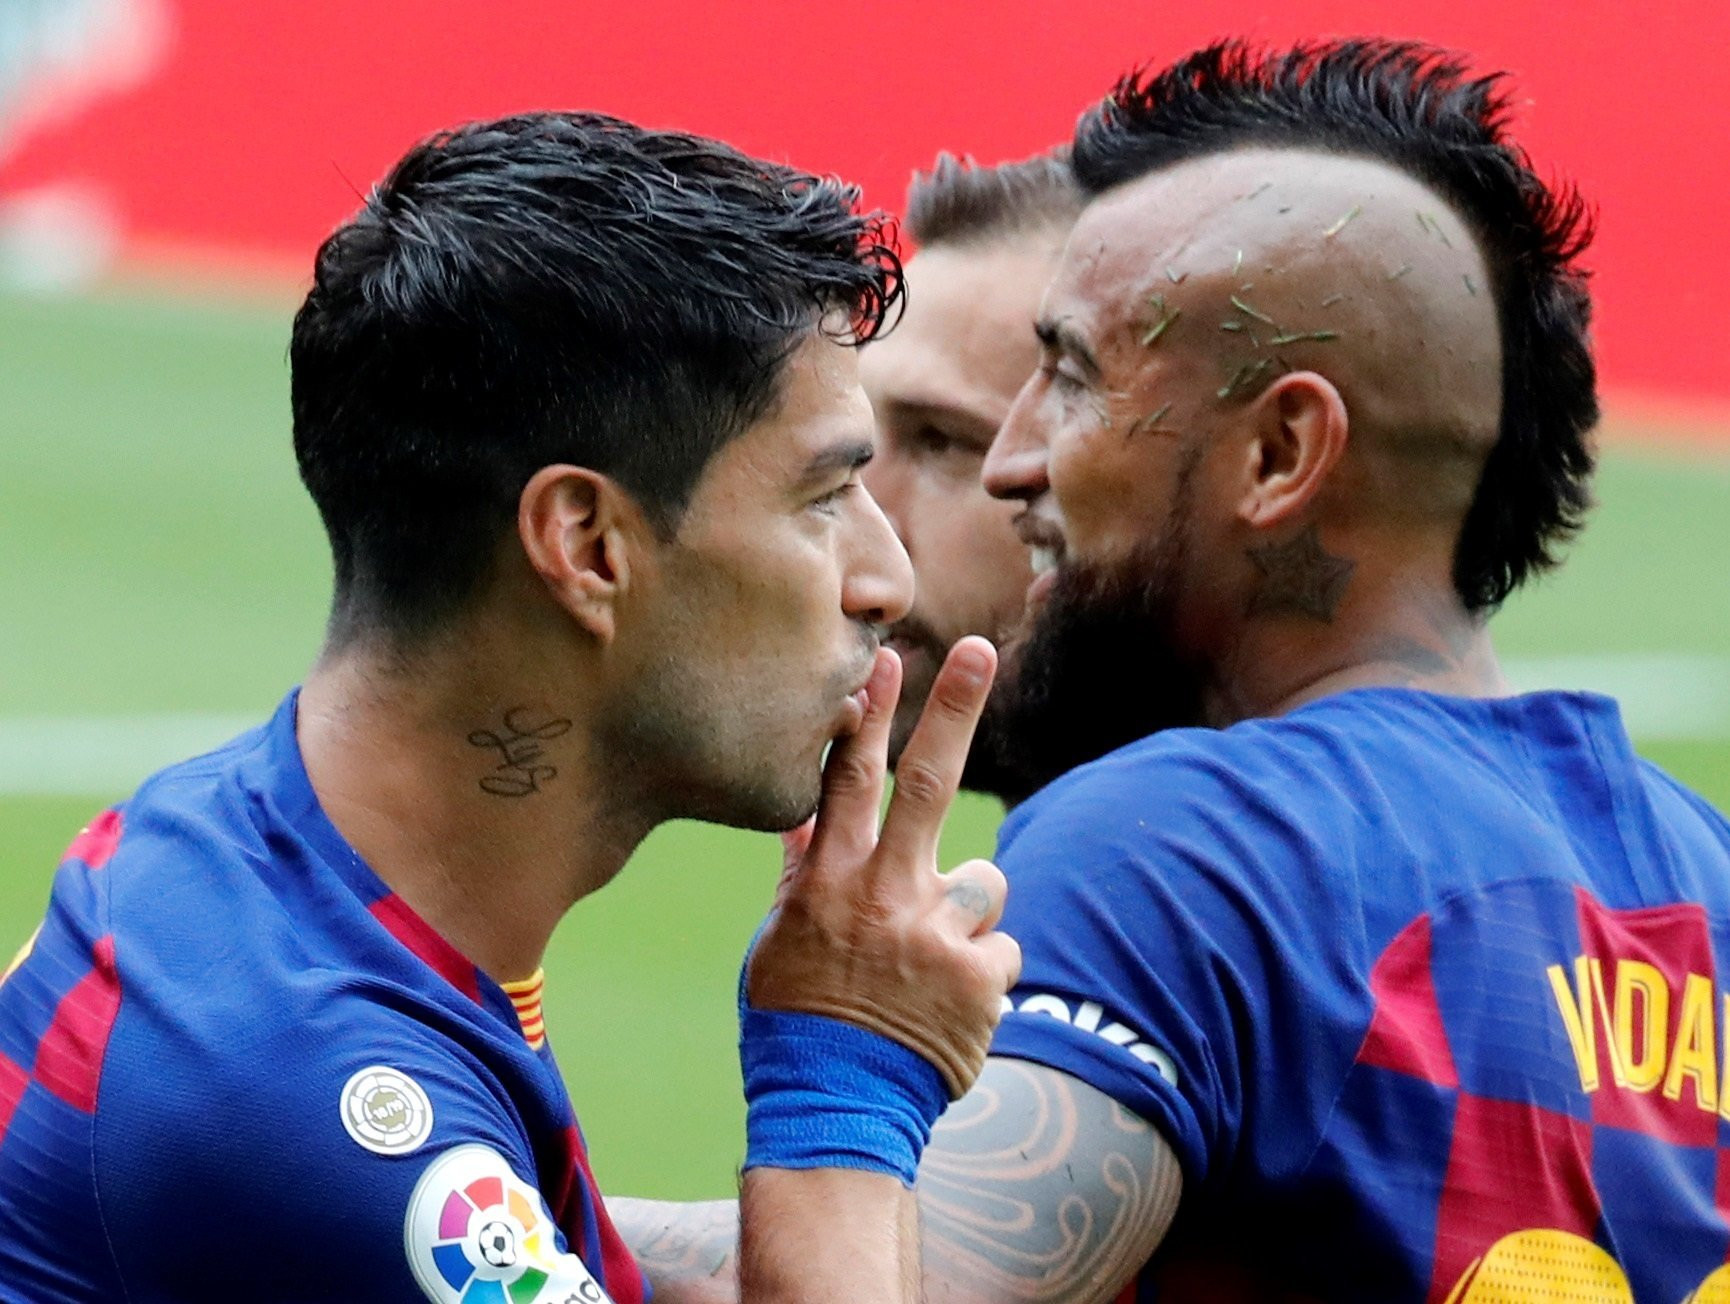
x,y
168,166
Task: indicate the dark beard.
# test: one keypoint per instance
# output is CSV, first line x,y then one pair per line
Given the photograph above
x,y
1097,668
984,771
987,769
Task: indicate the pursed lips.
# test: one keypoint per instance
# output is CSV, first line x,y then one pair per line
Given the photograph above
x,y
854,700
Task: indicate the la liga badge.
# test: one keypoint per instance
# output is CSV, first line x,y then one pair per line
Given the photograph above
x,y
478,1234
386,1111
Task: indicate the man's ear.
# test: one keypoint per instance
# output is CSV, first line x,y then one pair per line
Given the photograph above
x,y
578,529
1297,436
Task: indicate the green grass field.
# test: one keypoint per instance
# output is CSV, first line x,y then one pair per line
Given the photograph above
x,y
159,557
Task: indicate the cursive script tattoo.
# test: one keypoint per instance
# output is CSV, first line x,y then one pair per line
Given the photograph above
x,y
1298,577
521,769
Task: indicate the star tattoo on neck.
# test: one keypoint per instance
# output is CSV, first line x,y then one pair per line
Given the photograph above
x,y
1298,576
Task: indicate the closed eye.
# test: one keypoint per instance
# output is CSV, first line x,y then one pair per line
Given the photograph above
x,y
845,458
831,502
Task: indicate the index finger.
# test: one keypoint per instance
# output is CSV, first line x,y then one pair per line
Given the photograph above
x,y
852,793
929,774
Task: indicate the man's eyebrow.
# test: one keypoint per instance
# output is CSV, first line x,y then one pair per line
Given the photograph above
x,y
1060,337
937,410
849,456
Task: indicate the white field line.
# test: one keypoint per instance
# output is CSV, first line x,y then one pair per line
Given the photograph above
x,y
1665,698
103,756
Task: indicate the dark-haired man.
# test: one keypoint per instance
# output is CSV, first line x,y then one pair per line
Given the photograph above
x,y
1347,976
1415,978
578,404
940,385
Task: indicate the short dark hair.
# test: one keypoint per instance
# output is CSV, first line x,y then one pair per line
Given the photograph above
x,y
961,202
1414,108
552,287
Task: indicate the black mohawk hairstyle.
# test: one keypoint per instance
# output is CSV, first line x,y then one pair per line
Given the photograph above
x,y
1418,109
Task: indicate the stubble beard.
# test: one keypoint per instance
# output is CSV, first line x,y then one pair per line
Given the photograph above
x,y
710,764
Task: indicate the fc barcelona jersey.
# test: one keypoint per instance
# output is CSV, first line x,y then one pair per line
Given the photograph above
x,y
233,1065
1425,993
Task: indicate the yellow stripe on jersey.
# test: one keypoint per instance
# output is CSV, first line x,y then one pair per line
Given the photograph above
x,y
525,996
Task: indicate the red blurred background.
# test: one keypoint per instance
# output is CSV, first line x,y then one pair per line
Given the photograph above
x,y
260,120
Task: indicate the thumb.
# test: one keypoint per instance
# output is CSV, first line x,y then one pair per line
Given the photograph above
x,y
794,844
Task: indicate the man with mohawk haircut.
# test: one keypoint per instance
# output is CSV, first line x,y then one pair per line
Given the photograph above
x,y
1411,981
1348,975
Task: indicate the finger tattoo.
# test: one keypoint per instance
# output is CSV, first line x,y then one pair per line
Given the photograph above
x,y
969,896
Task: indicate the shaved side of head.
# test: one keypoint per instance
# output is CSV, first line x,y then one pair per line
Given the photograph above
x,y
1263,262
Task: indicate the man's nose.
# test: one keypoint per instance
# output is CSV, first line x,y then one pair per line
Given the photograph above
x,y
887,479
878,584
1015,467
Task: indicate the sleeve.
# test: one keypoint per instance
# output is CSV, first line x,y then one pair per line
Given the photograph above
x,y
1177,939
377,1161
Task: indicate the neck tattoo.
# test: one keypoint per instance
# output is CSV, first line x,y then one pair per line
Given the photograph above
x,y
1300,577
521,767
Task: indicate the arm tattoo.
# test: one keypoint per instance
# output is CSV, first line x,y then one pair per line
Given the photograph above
x,y
1039,1187
1298,576
521,767
689,1252
1036,1187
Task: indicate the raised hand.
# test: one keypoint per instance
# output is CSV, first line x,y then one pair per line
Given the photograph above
x,y
866,929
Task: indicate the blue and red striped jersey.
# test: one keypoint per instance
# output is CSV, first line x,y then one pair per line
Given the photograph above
x,y
234,1065
1422,991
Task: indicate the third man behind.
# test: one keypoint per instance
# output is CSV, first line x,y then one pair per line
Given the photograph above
x,y
940,384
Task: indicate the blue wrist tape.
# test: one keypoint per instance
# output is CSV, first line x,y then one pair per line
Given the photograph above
x,y
821,1093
